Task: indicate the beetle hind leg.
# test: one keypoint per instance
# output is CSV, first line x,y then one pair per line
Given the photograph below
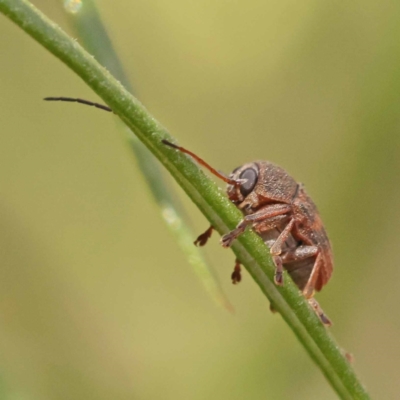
x,y
319,311
308,290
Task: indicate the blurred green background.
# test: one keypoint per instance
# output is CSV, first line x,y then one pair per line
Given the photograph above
x,y
96,299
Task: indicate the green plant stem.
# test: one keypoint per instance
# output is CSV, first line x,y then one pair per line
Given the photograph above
x,y
222,214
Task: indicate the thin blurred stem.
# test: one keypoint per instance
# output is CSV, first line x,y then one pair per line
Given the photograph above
x,y
87,23
222,214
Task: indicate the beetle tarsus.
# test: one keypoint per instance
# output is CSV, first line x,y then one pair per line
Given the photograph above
x,y
325,320
227,239
236,274
203,238
320,312
278,278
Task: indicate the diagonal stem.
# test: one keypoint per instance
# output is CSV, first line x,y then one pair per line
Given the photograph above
x,y
222,214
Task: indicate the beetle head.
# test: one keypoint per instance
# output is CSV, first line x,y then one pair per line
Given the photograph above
x,y
247,175
261,182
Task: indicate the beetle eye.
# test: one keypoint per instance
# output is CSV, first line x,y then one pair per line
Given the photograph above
x,y
251,176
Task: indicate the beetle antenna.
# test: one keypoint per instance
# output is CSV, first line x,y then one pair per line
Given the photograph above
x,y
204,164
230,181
81,101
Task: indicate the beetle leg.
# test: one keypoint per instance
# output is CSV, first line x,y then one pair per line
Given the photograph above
x,y
236,274
308,290
299,253
278,277
203,238
270,223
249,220
276,250
319,311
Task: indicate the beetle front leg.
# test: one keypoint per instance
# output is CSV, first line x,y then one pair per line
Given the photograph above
x,y
249,220
227,239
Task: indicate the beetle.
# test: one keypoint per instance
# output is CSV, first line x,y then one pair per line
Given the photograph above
x,y
280,211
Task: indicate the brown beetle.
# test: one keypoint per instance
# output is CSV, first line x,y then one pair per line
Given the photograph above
x,y
281,212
